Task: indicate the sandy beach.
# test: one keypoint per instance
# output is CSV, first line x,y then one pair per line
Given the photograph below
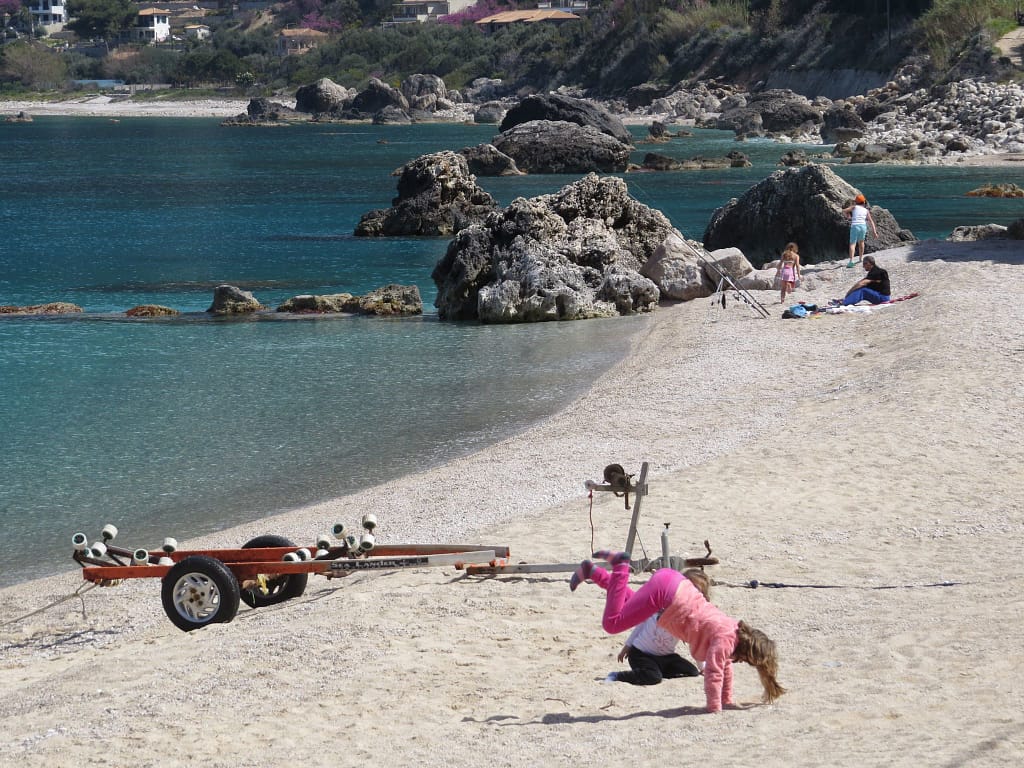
x,y
869,465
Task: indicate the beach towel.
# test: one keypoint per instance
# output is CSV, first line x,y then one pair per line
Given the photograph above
x,y
902,298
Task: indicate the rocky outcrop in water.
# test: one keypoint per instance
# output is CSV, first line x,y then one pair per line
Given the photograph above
x,y
390,300
771,113
151,310
323,97
50,308
230,300
437,196
487,160
565,109
545,146
571,255
803,205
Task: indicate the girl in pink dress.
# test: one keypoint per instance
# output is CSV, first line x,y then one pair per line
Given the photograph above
x,y
788,271
715,639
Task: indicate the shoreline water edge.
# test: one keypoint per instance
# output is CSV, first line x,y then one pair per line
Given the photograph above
x,y
866,456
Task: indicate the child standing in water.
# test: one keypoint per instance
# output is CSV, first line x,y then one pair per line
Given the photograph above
x,y
714,638
788,271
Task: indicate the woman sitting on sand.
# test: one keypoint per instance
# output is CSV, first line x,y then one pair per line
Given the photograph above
x,y
714,638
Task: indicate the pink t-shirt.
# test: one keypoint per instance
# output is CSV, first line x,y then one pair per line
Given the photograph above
x,y
711,636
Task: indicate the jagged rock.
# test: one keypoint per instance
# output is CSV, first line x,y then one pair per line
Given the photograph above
x,y
738,160
655,162
484,89
571,255
324,95
547,146
308,304
424,92
387,301
262,111
229,300
392,115
375,97
771,112
841,123
644,95
794,158
50,308
997,190
490,113
487,160
391,300
675,268
565,109
151,310
437,196
657,130
21,117
802,205
970,234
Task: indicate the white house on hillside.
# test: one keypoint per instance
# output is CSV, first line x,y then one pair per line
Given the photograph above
x,y
153,25
426,10
48,14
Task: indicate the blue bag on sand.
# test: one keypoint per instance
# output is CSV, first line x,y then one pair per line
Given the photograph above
x,y
798,311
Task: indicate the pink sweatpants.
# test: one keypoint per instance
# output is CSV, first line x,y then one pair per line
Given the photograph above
x,y
624,608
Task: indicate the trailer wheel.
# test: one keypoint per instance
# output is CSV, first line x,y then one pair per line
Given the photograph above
x,y
198,591
280,587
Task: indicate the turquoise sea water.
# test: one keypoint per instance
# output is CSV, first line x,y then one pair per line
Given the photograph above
x,y
181,427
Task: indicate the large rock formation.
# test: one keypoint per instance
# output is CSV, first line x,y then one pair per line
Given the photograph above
x,y
571,255
546,146
773,112
323,96
437,196
559,108
803,205
376,96
423,92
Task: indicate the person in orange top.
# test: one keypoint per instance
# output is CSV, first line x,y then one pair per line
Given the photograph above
x,y
714,638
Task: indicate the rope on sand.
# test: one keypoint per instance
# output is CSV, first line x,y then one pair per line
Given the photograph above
x,y
754,584
77,593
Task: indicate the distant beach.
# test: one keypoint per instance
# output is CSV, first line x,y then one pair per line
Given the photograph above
x,y
117,108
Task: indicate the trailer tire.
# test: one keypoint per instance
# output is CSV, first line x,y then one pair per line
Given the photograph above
x,y
199,591
281,587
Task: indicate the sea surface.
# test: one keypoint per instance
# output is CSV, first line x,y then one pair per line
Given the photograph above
x,y
181,427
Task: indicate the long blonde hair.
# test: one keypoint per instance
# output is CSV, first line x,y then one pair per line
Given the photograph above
x,y
700,580
758,650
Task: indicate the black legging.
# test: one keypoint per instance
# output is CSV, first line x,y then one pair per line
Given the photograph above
x,y
651,670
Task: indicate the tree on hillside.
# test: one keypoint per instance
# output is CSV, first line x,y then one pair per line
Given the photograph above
x,y
32,65
101,18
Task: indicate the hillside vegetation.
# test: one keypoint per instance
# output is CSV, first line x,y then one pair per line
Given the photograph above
x,y
617,45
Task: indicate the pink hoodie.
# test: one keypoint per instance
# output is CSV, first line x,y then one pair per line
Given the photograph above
x,y
711,636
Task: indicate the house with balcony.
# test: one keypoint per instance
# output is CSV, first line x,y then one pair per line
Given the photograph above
x,y
420,11
48,14
295,42
152,25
